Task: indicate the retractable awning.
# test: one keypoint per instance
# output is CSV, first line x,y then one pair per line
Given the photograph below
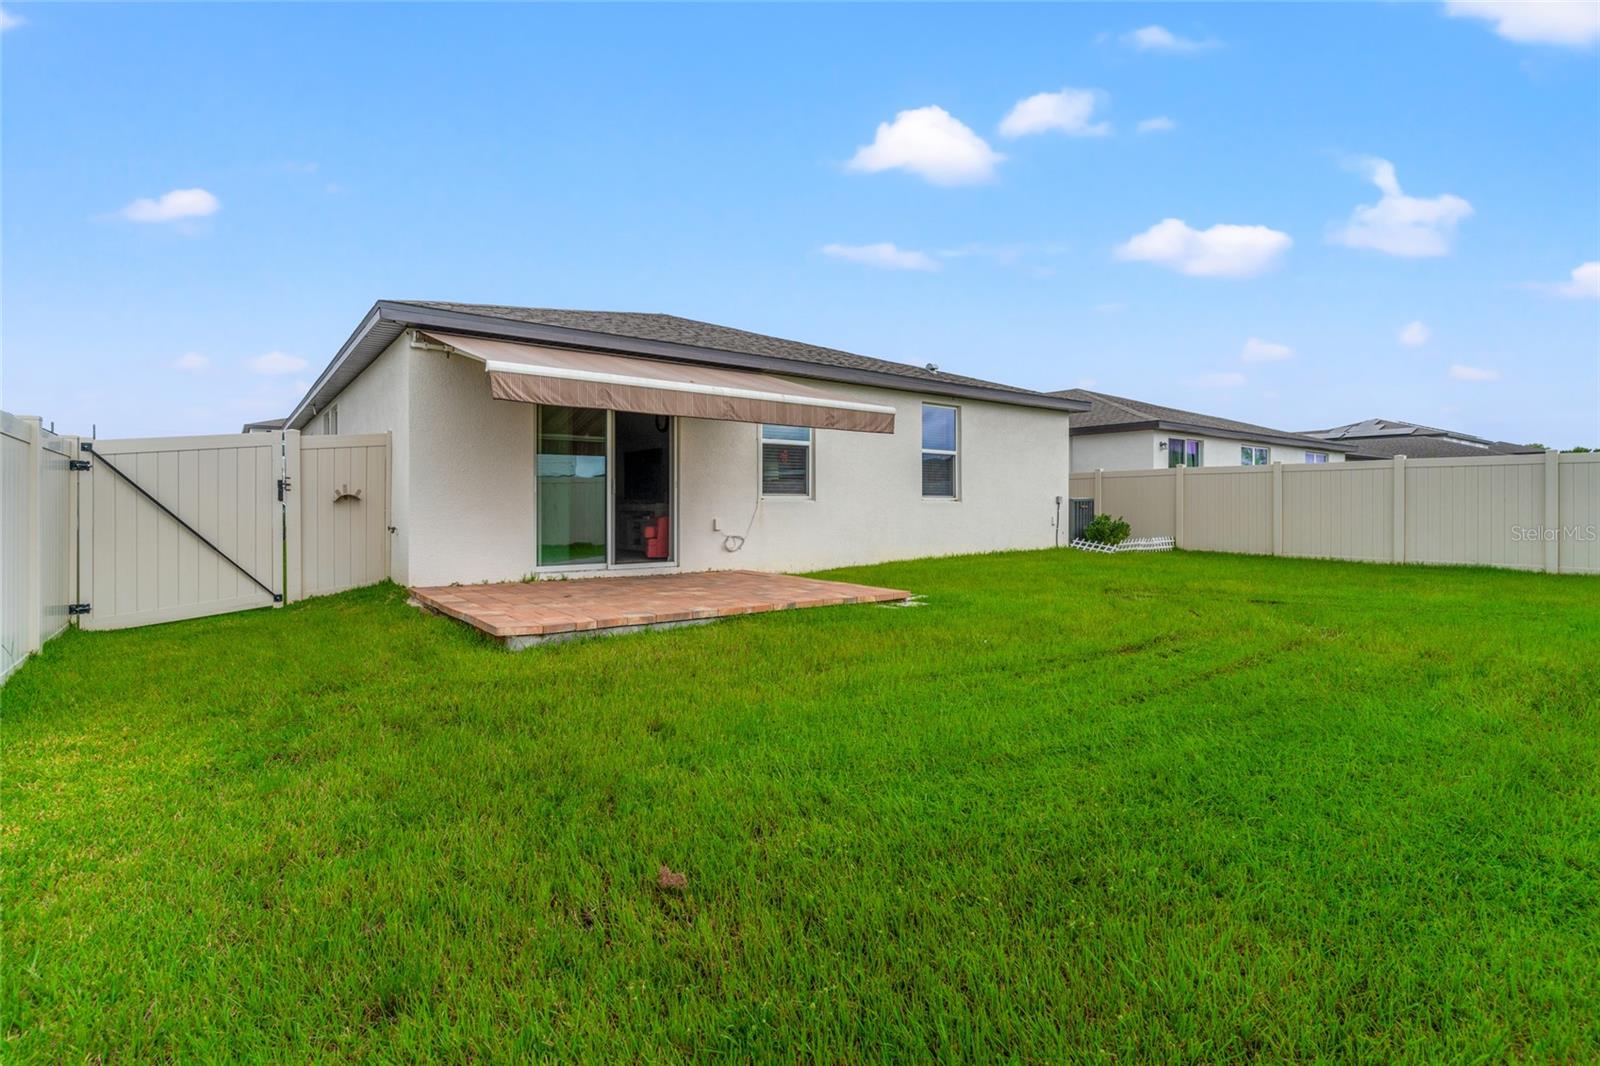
x,y
533,374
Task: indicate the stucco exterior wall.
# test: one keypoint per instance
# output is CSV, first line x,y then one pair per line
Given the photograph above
x,y
1141,450
472,476
464,468
867,504
379,401
1134,450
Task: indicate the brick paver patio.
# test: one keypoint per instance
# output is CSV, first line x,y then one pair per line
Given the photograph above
x,y
523,612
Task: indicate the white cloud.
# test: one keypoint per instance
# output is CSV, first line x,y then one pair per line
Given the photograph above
x,y
1575,23
1158,124
932,143
1414,334
1402,225
1226,379
883,255
1257,350
175,205
8,21
1068,111
1473,373
191,362
276,363
1161,39
1219,252
1585,283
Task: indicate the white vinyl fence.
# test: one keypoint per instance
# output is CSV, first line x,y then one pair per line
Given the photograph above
x,y
339,528
1525,512
37,537
165,528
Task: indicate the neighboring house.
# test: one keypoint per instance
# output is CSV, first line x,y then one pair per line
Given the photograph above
x,y
1117,433
1381,438
266,425
533,441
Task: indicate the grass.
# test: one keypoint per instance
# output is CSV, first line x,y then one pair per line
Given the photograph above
x,y
1089,808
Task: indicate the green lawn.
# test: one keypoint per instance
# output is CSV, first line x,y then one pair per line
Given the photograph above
x,y
1088,808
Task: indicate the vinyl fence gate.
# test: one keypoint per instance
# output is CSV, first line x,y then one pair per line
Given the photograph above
x,y
184,527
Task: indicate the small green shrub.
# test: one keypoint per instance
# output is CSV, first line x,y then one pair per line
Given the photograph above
x,y
1106,530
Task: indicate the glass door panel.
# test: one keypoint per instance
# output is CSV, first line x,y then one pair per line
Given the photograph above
x,y
643,487
572,486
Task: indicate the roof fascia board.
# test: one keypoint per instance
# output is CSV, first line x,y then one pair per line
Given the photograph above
x,y
370,320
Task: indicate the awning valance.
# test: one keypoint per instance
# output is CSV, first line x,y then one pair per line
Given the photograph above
x,y
534,374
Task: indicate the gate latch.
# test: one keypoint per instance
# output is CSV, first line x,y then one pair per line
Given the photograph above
x,y
77,464
77,608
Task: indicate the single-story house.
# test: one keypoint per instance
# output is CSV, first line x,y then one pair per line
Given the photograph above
x,y
1383,438
529,441
1117,433
266,425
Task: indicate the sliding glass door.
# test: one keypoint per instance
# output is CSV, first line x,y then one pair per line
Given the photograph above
x,y
572,486
642,488
604,488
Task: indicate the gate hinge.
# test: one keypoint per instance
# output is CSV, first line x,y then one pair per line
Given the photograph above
x,y
77,608
77,464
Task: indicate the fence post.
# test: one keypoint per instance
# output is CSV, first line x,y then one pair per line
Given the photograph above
x,y
31,626
1552,511
1099,490
388,503
1177,509
74,593
1397,550
1277,508
293,583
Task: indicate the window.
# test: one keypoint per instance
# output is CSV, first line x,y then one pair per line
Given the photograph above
x,y
330,419
786,460
1181,452
939,451
1316,457
1249,456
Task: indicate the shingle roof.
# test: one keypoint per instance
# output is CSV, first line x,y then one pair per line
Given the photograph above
x,y
674,330
1432,448
1385,438
650,336
1109,413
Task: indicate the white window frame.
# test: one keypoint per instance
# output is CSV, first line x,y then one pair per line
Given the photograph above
x,y
953,453
330,420
1316,457
809,444
1260,456
1199,451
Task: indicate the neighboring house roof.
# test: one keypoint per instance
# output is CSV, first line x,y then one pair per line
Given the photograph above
x,y
652,336
1118,414
266,425
1383,438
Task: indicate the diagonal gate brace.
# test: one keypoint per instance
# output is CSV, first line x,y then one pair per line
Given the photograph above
x,y
201,537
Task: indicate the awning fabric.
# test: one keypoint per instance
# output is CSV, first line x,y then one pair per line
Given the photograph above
x,y
534,374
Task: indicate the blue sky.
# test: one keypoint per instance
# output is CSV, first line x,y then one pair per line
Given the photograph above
x,y
200,202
